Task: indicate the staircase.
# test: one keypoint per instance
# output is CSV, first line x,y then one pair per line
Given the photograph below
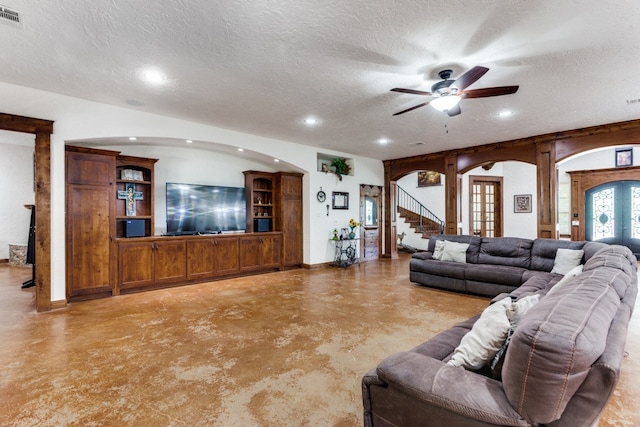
x,y
414,213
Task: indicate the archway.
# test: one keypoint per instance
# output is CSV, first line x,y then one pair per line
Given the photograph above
x,y
42,129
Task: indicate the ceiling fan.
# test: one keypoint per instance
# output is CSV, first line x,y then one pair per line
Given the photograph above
x,y
448,93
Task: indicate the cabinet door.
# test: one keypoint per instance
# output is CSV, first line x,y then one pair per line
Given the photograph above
x,y
90,168
89,260
250,253
200,259
136,264
270,249
170,261
226,259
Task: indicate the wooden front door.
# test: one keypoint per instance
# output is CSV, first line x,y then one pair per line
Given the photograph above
x,y
612,214
485,205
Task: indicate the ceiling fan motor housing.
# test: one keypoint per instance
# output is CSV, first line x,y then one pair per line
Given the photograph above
x,y
443,86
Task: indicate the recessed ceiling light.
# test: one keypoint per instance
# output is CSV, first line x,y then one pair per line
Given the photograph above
x,y
505,113
132,138
310,121
153,76
188,141
276,160
240,149
384,140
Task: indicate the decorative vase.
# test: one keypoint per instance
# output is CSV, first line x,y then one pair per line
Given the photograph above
x,y
352,235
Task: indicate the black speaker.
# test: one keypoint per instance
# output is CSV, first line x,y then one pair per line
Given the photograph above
x,y
263,224
134,228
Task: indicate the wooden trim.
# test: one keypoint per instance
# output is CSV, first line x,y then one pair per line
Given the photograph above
x,y
42,130
544,151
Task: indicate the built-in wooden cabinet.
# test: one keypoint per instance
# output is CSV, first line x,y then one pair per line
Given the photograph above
x,y
288,216
134,193
90,225
260,202
274,203
260,251
105,190
149,263
209,257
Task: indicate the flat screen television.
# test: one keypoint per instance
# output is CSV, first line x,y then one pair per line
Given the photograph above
x,y
205,209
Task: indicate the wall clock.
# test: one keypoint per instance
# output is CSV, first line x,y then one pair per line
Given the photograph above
x,y
321,196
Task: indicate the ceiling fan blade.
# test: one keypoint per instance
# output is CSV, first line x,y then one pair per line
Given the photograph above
x,y
411,91
412,108
454,111
469,77
489,91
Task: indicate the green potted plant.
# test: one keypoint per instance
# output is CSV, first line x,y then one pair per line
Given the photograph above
x,y
340,167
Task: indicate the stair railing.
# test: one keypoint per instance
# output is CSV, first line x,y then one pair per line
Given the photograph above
x,y
411,204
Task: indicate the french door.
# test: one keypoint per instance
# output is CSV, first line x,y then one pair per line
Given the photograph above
x,y
485,204
612,213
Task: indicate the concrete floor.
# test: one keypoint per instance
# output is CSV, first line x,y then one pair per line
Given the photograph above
x,y
286,348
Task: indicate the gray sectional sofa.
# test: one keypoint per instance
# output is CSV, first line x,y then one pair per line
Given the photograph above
x,y
493,265
558,364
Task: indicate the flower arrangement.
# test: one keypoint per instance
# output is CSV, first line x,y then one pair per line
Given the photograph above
x,y
352,225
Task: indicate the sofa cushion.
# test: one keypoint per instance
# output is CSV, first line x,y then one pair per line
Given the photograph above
x,y
512,251
439,268
472,250
566,260
543,252
553,348
498,274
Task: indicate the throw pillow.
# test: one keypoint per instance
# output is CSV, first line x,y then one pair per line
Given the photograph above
x,y
485,338
453,251
514,314
566,259
567,278
437,251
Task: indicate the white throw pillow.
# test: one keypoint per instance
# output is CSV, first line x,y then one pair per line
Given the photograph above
x,y
453,251
437,251
481,344
485,338
520,307
566,259
567,278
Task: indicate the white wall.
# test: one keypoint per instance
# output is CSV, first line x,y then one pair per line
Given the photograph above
x,y
518,178
16,190
76,119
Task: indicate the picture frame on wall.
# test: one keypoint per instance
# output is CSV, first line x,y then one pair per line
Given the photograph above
x,y
429,178
340,200
522,203
624,157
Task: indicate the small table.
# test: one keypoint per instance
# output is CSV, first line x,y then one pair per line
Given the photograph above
x,y
346,252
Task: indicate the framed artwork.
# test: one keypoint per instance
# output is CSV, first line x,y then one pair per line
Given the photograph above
x,y
429,178
624,157
522,203
340,200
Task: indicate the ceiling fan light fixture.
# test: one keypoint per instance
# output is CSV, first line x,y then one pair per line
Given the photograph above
x,y
445,103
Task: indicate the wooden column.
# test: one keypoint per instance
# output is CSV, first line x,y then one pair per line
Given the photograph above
x,y
546,176
390,226
451,194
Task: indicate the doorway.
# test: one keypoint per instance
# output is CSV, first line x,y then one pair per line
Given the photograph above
x,y
485,205
370,221
612,214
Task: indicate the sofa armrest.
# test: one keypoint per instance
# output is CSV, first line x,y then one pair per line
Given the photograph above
x,y
454,389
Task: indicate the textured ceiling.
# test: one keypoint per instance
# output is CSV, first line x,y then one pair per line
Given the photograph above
x,y
262,67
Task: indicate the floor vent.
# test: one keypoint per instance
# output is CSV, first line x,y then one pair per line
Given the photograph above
x,y
10,16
